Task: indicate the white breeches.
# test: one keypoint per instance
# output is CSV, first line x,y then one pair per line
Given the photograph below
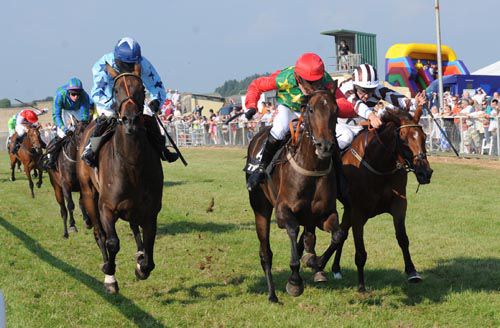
x,y
346,133
21,130
281,123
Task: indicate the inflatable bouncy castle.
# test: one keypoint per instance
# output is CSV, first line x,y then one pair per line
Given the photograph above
x,y
414,65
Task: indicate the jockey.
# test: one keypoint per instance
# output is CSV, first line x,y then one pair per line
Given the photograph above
x,y
290,96
364,91
71,105
126,54
25,119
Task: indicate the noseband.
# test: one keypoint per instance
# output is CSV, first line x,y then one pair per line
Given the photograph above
x,y
409,161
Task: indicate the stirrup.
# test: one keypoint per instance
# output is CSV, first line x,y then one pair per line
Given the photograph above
x,y
256,178
88,157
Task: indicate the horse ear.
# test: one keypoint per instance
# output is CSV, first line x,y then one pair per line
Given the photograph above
x,y
137,69
334,87
306,86
111,71
418,113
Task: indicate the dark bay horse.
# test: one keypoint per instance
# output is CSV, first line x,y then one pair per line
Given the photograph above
x,y
128,183
29,155
301,189
64,180
376,166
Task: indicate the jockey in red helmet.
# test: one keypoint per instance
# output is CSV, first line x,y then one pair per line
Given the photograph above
x,y
290,95
25,119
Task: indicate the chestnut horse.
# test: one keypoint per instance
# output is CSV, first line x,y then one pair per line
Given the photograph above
x,y
64,180
29,155
128,183
301,188
376,166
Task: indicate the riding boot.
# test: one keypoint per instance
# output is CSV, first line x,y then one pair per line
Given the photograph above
x,y
96,140
342,185
158,140
259,175
53,148
17,144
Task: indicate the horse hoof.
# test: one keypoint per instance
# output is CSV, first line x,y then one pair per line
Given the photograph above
x,y
139,256
337,275
273,299
362,289
12,179
294,290
414,278
65,236
320,276
38,185
73,229
88,224
111,288
140,274
308,260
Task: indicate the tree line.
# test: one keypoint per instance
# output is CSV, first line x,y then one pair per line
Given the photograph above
x,y
235,87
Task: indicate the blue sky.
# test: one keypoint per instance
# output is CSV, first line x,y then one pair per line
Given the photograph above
x,y
197,45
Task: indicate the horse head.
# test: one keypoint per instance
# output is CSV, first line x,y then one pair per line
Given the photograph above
x,y
129,95
320,117
410,143
34,140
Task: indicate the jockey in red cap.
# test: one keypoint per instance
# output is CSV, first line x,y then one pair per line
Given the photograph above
x,y
25,119
290,96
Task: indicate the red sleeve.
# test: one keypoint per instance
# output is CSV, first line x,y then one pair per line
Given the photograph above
x,y
346,108
257,87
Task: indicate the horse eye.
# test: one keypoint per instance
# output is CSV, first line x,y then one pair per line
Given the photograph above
x,y
310,109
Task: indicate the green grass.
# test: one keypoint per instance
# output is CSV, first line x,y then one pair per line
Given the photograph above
x,y
208,271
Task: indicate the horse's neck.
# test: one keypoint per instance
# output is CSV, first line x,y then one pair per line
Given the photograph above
x,y
129,147
381,146
306,156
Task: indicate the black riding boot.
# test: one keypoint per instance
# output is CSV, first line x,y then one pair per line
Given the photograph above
x,y
17,144
158,140
53,148
96,140
259,175
342,186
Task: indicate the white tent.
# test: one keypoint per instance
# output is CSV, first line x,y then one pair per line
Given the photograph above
x,y
493,69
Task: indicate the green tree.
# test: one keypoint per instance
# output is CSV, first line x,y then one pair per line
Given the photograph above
x,y
4,103
234,87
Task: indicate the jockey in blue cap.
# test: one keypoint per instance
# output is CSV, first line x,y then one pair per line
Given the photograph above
x,y
71,105
126,55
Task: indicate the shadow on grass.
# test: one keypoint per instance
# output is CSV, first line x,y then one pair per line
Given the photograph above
x,y
126,307
450,276
198,292
173,183
181,227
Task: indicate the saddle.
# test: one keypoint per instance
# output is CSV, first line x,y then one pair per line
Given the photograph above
x,y
253,162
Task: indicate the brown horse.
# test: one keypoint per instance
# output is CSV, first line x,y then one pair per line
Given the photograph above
x,y
29,155
64,180
376,167
301,188
128,183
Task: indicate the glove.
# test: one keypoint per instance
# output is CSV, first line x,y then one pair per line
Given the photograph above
x,y
250,113
154,105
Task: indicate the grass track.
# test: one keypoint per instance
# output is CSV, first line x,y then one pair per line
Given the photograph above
x,y
207,266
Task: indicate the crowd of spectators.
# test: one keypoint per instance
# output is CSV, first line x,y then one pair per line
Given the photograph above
x,y
472,118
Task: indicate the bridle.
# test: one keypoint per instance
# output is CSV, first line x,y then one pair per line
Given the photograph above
x,y
129,97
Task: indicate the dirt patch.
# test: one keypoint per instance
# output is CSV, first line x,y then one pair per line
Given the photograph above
x,y
479,162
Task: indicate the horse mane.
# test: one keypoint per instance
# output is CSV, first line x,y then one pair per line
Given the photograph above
x,y
395,116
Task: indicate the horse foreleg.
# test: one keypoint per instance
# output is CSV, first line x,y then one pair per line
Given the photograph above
x,y
308,239
40,175
147,264
338,238
86,217
108,221
285,217
360,256
263,209
64,213
404,244
71,206
27,171
139,255
13,161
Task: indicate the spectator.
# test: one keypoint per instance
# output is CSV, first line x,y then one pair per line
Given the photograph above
x,y
343,53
